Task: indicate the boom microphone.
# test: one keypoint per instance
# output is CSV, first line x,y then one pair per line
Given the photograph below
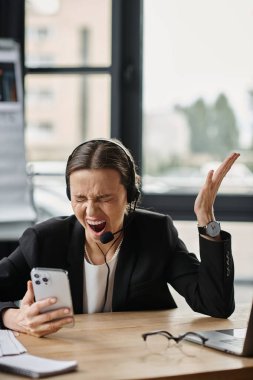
x,y
108,236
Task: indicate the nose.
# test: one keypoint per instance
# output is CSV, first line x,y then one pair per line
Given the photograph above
x,y
90,208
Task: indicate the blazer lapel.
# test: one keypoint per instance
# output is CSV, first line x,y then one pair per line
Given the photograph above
x,y
75,266
126,261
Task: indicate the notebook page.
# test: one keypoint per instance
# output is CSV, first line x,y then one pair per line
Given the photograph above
x,y
9,344
35,366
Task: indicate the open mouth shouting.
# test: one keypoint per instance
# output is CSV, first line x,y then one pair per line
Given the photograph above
x,y
97,226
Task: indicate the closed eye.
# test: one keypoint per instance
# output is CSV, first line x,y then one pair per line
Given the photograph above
x,y
100,199
104,198
80,199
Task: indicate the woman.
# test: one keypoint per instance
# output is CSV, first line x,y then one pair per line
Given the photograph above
x,y
118,257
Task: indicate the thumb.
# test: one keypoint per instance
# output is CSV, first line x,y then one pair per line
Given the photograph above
x,y
29,295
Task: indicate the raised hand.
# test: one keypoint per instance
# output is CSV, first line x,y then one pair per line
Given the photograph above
x,y
203,206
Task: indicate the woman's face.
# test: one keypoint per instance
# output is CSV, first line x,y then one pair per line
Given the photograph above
x,y
98,200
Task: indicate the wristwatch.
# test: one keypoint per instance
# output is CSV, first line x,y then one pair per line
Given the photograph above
x,y
211,229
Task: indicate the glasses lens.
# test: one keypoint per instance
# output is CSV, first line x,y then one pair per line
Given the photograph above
x,y
157,343
189,348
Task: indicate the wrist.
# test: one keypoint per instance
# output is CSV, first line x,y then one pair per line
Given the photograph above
x,y
9,317
211,229
204,219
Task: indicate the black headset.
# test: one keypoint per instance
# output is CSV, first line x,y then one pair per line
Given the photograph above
x,y
133,192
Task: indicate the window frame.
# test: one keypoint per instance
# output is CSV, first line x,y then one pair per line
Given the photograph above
x,y
126,105
230,207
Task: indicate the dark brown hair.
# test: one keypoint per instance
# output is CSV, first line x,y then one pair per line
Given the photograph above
x,y
105,153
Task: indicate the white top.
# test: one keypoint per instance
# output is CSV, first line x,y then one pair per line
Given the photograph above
x,y
95,283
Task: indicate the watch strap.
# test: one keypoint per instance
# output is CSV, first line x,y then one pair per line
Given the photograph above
x,y
202,230
212,229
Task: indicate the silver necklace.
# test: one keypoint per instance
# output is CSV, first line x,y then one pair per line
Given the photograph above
x,y
87,255
104,253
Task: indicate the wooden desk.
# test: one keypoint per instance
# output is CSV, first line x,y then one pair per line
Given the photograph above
x,y
109,346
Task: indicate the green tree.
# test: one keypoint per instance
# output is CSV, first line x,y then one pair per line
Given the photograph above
x,y
213,128
223,131
197,116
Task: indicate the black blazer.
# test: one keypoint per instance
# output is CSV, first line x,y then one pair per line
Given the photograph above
x,y
151,257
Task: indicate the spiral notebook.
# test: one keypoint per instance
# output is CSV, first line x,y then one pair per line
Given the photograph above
x,y
35,366
15,359
9,345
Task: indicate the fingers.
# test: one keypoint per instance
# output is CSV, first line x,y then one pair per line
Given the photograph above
x,y
28,298
209,178
225,166
37,310
30,287
41,305
203,206
43,324
214,178
40,330
35,322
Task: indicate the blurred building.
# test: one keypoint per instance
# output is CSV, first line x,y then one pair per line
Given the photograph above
x,y
63,110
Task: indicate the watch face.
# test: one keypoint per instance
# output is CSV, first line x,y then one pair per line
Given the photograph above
x,y
213,229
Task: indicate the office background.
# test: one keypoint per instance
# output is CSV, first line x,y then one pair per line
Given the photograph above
x,y
172,79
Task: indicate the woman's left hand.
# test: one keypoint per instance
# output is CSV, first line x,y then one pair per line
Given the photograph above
x,y
203,206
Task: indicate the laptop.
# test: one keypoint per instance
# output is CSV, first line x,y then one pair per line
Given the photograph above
x,y
232,341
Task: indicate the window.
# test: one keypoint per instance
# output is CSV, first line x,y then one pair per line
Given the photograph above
x,y
38,33
67,86
77,105
92,64
197,96
88,65
67,89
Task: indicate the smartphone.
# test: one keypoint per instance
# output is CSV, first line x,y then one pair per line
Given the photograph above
x,y
50,282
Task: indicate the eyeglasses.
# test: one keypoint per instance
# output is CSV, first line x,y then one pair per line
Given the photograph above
x,y
159,341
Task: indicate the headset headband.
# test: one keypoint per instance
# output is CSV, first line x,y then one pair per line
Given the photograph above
x,y
132,192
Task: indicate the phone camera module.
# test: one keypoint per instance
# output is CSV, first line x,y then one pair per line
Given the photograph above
x,y
37,282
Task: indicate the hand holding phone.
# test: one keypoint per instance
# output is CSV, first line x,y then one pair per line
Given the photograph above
x,y
48,283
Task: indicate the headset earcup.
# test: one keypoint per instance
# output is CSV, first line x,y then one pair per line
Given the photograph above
x,y
68,192
133,195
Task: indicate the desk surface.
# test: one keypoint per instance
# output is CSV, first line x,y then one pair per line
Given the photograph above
x,y
109,346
